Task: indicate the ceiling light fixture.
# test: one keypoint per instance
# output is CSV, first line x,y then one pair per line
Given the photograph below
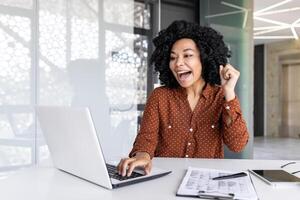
x,y
293,28
280,26
271,7
274,37
271,21
273,27
294,33
277,11
261,14
270,30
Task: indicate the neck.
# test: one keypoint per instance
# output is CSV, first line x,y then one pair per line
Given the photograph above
x,y
196,89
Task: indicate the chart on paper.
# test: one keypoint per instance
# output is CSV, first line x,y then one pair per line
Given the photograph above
x,y
200,180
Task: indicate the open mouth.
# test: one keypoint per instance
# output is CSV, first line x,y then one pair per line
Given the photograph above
x,y
183,75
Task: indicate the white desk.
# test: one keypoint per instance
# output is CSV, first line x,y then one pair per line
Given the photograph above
x,y
46,183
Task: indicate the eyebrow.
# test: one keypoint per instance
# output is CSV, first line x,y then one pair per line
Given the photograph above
x,y
188,49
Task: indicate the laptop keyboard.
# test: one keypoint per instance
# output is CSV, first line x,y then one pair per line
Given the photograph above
x,y
113,173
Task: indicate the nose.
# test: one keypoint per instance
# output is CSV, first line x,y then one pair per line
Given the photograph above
x,y
179,61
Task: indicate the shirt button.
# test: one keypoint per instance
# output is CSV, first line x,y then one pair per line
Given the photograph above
x,y
186,156
169,126
189,144
212,126
191,130
227,107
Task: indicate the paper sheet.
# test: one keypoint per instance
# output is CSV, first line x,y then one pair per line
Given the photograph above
x,y
200,179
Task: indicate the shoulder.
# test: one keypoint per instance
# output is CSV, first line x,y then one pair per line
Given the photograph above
x,y
161,94
161,91
215,91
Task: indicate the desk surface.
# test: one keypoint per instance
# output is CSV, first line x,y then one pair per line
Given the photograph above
x,y
45,183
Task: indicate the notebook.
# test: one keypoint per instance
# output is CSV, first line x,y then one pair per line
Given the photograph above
x,y
75,148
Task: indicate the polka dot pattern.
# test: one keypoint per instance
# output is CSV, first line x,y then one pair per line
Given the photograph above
x,y
170,128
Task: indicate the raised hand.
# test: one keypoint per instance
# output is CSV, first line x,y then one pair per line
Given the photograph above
x,y
229,76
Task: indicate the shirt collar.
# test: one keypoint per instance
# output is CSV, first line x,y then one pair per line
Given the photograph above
x,y
206,92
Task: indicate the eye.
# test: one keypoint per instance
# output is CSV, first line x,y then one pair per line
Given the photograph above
x,y
172,58
188,55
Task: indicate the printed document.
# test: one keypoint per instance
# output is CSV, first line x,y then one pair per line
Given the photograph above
x,y
198,182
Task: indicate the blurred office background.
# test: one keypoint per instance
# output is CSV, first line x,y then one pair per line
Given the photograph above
x,y
95,53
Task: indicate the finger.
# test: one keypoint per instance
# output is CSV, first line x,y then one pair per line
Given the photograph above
x,y
148,168
221,72
131,168
125,165
133,165
221,69
227,74
230,67
120,165
232,73
229,71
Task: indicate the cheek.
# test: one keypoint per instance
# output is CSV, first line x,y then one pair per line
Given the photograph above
x,y
171,66
198,69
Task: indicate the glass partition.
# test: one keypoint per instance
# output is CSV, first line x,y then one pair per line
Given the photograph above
x,y
90,53
233,19
17,120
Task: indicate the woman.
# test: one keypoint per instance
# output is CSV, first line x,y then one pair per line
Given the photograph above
x,y
196,110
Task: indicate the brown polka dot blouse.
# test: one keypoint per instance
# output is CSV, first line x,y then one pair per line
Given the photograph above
x,y
170,128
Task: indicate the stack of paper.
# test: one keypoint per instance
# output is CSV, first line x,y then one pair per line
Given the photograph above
x,y
198,183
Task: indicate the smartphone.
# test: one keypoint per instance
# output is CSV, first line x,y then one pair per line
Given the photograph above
x,y
276,178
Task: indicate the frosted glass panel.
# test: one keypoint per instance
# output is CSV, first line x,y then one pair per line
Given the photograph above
x,y
52,33
54,87
17,3
77,67
16,79
68,67
122,79
119,12
142,15
15,60
84,29
68,52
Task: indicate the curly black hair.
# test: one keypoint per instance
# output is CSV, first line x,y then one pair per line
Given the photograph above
x,y
213,51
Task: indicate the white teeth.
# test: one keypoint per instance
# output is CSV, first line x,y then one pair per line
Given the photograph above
x,y
182,75
182,72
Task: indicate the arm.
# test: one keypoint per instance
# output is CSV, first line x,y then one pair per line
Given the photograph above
x,y
235,134
146,140
147,137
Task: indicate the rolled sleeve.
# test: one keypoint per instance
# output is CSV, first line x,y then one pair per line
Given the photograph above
x,y
232,110
235,133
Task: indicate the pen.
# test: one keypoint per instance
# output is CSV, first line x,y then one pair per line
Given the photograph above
x,y
237,175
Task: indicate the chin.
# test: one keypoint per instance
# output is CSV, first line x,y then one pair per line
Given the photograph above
x,y
185,85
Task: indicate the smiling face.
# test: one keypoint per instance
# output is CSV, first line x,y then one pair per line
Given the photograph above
x,y
185,63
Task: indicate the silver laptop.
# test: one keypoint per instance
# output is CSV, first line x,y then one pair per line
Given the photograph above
x,y
75,148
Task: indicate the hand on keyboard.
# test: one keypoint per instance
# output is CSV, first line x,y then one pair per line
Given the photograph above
x,y
113,173
141,159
